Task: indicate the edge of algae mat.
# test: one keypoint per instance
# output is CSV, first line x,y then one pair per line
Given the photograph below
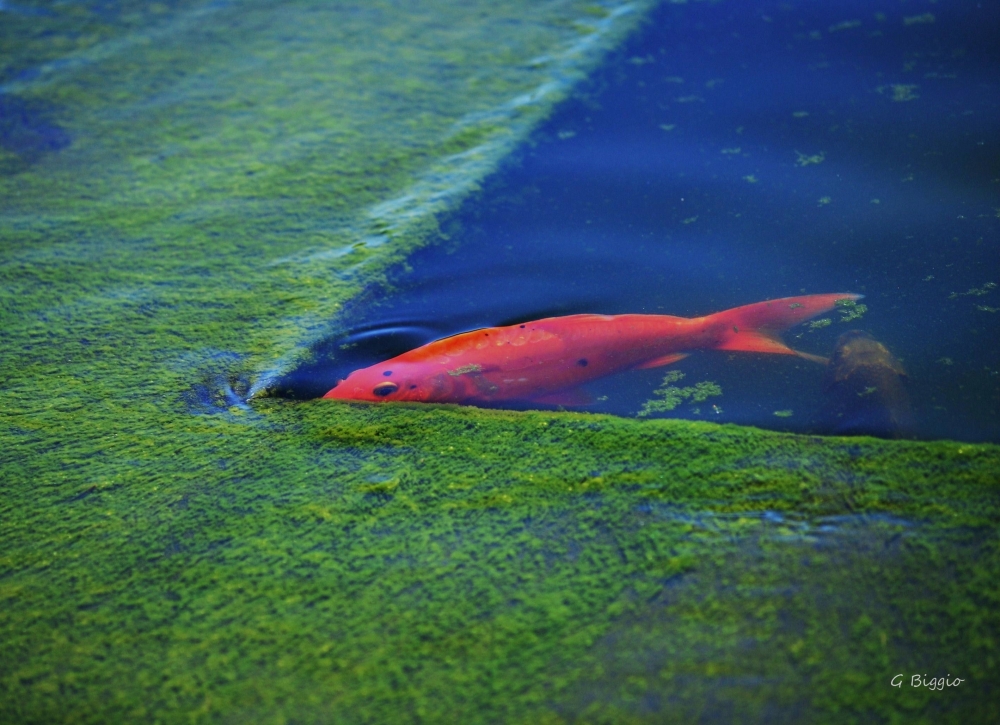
x,y
238,172
435,563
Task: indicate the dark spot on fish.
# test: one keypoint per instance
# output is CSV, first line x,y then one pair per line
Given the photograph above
x,y
387,373
412,387
582,362
521,326
383,389
735,328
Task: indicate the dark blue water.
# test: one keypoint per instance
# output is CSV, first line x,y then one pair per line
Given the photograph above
x,y
736,152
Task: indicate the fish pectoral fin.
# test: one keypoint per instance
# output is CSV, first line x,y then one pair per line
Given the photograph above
x,y
661,361
567,398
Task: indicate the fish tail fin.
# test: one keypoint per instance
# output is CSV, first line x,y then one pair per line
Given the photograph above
x,y
756,327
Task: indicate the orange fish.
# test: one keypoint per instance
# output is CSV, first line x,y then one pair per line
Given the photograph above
x,y
547,360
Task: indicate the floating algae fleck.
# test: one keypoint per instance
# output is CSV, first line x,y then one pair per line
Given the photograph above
x,y
845,25
850,310
975,291
673,396
901,91
807,160
923,19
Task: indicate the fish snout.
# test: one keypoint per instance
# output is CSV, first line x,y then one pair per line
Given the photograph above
x,y
338,392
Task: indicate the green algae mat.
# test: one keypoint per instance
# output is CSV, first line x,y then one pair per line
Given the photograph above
x,y
191,192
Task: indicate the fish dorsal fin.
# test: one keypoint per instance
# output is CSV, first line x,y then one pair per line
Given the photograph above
x,y
574,397
661,361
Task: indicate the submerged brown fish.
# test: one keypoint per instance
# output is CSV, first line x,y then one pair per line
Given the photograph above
x,y
865,390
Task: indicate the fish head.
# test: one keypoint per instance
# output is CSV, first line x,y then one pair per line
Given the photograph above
x,y
391,381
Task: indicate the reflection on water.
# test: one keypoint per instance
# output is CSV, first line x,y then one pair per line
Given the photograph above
x,y
734,153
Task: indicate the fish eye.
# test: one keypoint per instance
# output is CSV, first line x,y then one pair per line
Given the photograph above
x,y
386,388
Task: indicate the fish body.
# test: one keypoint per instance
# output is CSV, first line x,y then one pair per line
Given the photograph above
x,y
546,361
865,390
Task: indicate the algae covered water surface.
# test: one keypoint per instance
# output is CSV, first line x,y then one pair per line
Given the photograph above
x,y
194,197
